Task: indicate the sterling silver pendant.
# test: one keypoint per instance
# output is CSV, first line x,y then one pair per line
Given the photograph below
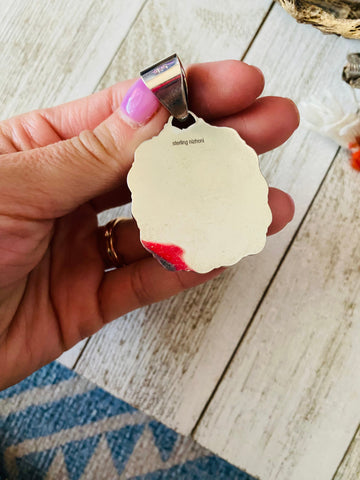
x,y
198,196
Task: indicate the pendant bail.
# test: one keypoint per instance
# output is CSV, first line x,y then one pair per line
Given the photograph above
x,y
167,81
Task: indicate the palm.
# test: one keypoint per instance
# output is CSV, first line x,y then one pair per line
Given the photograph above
x,y
76,274
56,304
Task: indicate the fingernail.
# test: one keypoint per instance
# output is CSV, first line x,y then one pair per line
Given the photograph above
x,y
139,104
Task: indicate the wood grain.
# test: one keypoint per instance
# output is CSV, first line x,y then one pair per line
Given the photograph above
x,y
288,405
52,52
69,358
198,31
349,469
286,408
168,358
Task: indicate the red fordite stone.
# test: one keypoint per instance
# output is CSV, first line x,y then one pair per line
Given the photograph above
x,y
172,254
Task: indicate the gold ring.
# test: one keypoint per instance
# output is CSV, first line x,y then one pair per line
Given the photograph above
x,y
113,258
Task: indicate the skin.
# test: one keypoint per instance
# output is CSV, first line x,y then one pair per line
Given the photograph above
x,y
59,167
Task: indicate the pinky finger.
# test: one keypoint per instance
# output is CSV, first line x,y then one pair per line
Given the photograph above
x,y
142,283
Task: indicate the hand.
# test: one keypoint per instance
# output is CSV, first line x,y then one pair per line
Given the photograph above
x,y
61,166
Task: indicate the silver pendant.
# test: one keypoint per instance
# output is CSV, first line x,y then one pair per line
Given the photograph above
x,y
198,196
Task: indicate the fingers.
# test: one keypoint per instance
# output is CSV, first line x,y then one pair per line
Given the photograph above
x,y
219,89
281,204
127,236
216,89
143,283
43,127
51,181
282,208
121,195
54,180
266,124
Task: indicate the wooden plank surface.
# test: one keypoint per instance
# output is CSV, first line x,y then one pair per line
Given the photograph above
x,y
288,406
55,51
70,357
168,358
349,469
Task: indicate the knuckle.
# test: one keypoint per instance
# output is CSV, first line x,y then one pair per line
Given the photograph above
x,y
181,283
140,287
90,145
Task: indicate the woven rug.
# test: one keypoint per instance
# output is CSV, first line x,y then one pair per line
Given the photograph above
x,y
58,425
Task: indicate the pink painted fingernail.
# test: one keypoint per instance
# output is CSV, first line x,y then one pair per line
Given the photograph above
x,y
139,104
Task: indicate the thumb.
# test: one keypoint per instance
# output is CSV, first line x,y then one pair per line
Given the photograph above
x,y
50,181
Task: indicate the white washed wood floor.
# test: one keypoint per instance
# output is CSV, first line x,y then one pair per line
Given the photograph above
x,y
261,365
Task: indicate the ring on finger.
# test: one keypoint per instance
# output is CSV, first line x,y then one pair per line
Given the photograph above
x,y
113,259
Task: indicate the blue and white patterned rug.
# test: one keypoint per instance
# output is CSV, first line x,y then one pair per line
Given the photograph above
x,y
58,425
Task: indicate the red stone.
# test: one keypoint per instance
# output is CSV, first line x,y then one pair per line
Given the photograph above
x,y
170,253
